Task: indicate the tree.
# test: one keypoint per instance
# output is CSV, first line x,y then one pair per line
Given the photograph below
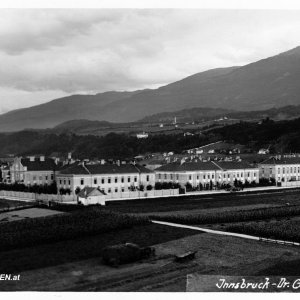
x,y
77,190
149,187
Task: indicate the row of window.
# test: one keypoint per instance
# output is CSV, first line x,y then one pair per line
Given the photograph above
x,y
288,170
103,180
207,176
41,178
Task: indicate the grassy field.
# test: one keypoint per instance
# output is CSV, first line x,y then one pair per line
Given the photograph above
x,y
150,206
283,229
10,204
21,214
53,254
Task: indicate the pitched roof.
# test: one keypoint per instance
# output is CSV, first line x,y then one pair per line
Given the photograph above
x,y
47,165
234,165
73,169
89,192
116,169
281,161
204,166
190,166
78,169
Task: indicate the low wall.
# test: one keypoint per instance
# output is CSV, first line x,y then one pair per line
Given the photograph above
x,y
41,197
290,183
73,198
141,194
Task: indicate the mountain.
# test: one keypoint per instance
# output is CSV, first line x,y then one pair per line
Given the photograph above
x,y
199,113
269,83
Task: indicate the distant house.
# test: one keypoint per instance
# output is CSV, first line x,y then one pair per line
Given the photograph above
x,y
263,151
33,170
91,195
142,135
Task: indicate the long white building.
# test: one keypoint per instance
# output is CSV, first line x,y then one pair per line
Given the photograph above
x,y
203,173
109,178
281,168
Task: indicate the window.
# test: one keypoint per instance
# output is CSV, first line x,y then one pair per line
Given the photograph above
x,y
208,176
64,181
40,178
238,175
95,180
109,180
177,176
212,176
116,179
224,175
248,174
228,175
129,178
283,170
46,178
190,177
109,190
52,177
135,179
60,181
122,180
241,174
116,190
148,178
69,182
165,176
123,190
204,176
197,177
82,181
102,180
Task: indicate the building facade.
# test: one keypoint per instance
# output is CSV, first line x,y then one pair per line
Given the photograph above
x,y
109,178
281,168
33,170
217,173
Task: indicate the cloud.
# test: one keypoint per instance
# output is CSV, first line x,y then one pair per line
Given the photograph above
x,y
63,51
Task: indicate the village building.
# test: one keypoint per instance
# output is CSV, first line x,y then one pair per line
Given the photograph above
x,y
33,170
282,168
216,173
109,178
90,195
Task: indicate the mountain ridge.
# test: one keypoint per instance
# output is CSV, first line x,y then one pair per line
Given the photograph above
x,y
268,83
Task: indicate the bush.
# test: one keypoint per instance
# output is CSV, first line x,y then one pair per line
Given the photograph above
x,y
149,187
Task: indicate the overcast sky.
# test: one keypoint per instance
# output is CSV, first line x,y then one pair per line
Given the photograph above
x,y
48,53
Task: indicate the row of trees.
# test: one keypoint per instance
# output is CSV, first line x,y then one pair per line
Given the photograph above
x,y
36,189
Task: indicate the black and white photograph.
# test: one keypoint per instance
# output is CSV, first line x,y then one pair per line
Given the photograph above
x,y
150,149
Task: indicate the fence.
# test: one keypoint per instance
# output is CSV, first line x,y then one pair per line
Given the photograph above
x,y
41,197
290,183
73,198
141,194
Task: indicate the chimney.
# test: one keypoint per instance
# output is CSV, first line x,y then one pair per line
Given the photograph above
x,y
42,158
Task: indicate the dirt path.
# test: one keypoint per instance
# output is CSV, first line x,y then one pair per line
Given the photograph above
x,y
216,255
